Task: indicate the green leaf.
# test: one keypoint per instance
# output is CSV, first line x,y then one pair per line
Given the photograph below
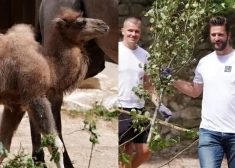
x,y
147,114
151,20
195,4
163,15
124,158
223,5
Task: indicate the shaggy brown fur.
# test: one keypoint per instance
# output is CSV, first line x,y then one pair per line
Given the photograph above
x,y
27,76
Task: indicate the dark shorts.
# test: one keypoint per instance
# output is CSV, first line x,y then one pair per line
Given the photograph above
x,y
126,131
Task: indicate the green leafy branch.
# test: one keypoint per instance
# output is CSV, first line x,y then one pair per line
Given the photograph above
x,y
20,159
158,142
49,142
102,111
90,126
194,142
188,132
97,109
178,28
122,157
3,151
91,116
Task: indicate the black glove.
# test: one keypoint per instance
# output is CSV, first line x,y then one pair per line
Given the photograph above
x,y
165,112
165,73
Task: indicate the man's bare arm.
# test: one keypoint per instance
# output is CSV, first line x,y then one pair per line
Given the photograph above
x,y
163,110
148,86
189,88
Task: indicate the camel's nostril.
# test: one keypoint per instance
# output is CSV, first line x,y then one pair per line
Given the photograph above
x,y
84,22
107,28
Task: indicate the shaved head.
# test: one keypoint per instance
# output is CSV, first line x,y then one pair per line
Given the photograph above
x,y
132,20
131,32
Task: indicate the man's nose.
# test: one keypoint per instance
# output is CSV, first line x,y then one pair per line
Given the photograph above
x,y
217,38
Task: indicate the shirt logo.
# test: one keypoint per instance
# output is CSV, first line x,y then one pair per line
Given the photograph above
x,y
227,68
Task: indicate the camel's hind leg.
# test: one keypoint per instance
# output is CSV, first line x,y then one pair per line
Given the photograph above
x,y
9,122
41,116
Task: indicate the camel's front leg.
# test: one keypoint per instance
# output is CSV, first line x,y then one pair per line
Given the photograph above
x,y
60,147
10,120
37,154
41,115
56,103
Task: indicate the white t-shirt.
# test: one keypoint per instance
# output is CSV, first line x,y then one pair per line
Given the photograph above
x,y
217,74
130,74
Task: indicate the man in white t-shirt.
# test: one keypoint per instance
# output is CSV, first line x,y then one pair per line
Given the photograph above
x,y
130,74
215,76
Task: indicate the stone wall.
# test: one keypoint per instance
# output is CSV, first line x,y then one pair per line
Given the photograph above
x,y
186,110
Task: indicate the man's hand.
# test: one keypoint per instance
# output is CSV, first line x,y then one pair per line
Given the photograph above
x,y
165,74
165,112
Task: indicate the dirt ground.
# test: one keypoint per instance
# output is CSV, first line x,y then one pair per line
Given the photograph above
x,y
105,154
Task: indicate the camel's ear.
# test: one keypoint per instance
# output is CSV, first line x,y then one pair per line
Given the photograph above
x,y
59,22
81,13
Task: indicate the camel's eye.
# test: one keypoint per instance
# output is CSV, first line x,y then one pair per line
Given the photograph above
x,y
79,23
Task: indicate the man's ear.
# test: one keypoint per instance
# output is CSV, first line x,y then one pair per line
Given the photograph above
x,y
229,35
122,30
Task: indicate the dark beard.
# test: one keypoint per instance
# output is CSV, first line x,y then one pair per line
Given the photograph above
x,y
223,46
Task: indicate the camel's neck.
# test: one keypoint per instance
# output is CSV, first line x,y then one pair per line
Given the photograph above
x,y
68,62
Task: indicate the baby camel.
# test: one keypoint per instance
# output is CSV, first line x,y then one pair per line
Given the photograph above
x,y
27,76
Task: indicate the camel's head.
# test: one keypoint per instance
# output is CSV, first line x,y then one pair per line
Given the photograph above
x,y
77,28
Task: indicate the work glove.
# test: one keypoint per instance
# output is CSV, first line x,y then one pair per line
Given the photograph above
x,y
166,74
165,112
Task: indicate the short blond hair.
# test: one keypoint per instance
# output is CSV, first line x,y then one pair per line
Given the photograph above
x,y
133,20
